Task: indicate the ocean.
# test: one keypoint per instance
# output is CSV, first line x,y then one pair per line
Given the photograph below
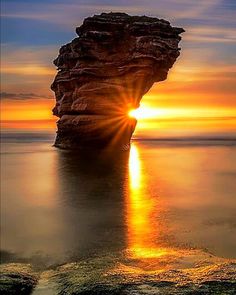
x,y
148,208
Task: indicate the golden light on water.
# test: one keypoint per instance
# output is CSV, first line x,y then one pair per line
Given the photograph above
x,y
134,169
141,221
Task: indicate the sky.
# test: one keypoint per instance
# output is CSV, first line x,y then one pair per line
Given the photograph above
x,y
198,97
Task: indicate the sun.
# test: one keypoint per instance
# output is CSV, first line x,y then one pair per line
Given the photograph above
x,y
134,113
142,113
147,112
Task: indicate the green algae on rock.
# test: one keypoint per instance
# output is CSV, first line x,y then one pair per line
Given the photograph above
x,y
17,279
112,275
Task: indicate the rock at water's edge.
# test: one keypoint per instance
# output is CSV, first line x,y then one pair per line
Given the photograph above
x,y
104,73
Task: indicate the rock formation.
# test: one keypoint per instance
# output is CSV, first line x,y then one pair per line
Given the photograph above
x,y
105,72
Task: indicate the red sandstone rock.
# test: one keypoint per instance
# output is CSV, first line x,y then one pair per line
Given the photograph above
x,y
105,72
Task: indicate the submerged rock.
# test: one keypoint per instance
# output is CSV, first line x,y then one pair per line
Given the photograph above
x,y
104,73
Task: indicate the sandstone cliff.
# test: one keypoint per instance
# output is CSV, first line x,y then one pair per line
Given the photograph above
x,y
104,73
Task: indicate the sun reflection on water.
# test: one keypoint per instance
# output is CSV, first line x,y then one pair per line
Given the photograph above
x,y
134,169
142,224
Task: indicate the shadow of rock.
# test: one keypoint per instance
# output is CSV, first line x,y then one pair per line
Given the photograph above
x,y
92,187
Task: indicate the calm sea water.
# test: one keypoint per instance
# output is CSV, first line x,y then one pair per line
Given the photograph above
x,y
59,206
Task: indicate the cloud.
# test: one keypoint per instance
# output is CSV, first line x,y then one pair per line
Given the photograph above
x,y
28,70
30,61
25,55
210,34
22,96
73,12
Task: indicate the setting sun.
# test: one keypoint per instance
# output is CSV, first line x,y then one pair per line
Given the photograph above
x,y
133,113
146,112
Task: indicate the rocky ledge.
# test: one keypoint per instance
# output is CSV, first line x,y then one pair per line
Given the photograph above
x,y
104,73
103,275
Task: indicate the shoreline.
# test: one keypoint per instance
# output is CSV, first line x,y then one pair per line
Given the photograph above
x,y
185,272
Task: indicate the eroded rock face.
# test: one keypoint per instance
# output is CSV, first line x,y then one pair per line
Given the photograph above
x,y
105,72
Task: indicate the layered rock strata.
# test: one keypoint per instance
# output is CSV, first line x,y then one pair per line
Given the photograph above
x,y
103,73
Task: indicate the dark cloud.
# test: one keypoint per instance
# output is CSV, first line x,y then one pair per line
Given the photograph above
x,y
22,96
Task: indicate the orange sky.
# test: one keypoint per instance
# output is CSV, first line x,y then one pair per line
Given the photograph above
x,y
196,93
200,88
